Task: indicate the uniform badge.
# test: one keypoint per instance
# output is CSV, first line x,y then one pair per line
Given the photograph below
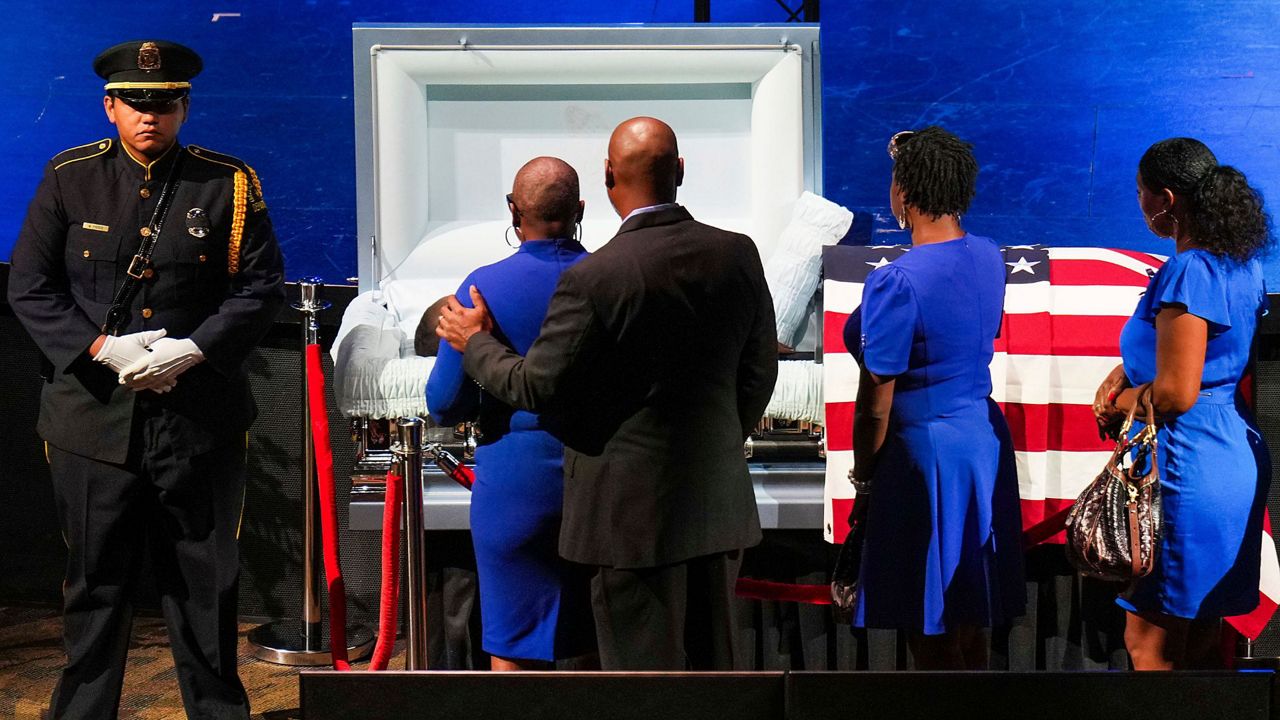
x,y
149,56
197,222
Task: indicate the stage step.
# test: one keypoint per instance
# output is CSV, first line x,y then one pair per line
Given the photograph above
x,y
1246,695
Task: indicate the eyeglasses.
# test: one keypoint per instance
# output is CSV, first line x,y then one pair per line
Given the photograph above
x,y
897,141
512,202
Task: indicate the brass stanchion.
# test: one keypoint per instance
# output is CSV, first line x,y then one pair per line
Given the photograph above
x,y
408,452
299,641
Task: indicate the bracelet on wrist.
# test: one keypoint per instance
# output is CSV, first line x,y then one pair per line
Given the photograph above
x,y
862,487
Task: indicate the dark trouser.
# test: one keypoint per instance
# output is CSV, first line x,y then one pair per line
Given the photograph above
x,y
187,511
674,617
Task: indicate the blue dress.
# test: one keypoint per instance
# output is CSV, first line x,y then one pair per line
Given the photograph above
x,y
1214,465
533,604
943,533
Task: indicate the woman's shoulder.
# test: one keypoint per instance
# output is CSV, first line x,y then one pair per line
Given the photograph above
x,y
892,279
1208,268
986,249
1216,288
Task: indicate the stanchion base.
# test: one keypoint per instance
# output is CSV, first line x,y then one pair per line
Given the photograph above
x,y
283,642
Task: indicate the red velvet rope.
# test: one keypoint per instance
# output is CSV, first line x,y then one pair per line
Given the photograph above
x,y
389,599
753,589
328,510
464,476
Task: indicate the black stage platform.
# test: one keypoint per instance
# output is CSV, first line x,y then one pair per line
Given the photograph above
x,y
789,696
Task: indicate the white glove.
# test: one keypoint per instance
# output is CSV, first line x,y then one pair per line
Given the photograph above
x,y
160,369
120,352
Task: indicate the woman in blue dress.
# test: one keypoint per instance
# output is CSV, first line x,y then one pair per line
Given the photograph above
x,y
534,607
1190,337
943,553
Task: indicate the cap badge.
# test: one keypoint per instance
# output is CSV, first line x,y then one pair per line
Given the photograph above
x,y
149,56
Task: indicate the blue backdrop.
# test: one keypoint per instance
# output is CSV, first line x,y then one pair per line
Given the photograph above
x,y
1059,98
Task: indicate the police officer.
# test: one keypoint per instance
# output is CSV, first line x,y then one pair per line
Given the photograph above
x,y
146,271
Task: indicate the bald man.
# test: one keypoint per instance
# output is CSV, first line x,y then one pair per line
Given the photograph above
x,y
656,359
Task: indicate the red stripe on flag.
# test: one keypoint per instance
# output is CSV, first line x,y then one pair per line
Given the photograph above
x,y
1151,260
1033,428
1043,521
1251,624
839,426
840,509
1068,335
1037,428
1248,389
833,333
1094,272
1023,333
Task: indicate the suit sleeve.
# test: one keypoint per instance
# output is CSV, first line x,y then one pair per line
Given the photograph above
x,y
451,396
570,337
39,287
257,291
758,365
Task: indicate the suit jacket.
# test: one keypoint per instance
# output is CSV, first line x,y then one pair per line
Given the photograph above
x,y
657,357
216,277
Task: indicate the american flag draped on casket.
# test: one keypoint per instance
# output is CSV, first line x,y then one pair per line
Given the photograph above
x,y
1064,309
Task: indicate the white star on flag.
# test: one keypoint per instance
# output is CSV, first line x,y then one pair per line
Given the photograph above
x,y
1022,266
879,263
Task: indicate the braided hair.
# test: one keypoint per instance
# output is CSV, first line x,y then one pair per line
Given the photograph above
x,y
1225,213
936,171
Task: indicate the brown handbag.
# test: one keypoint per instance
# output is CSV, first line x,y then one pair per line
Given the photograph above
x,y
1114,527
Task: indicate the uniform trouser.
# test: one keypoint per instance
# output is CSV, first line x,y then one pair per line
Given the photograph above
x,y
186,511
674,617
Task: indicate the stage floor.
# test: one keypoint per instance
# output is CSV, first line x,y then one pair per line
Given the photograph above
x,y
31,656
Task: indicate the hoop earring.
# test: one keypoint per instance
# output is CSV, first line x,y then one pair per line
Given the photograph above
x,y
903,223
506,237
1152,222
577,233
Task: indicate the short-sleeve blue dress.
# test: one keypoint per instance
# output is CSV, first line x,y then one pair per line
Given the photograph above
x,y
1214,464
943,531
533,604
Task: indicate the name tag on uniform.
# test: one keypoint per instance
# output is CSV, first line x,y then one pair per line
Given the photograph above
x,y
96,226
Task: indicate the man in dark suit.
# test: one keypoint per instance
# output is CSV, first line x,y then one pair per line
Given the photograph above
x,y
657,357
146,272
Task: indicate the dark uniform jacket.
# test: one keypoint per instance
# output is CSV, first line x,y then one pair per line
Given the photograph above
x,y
657,357
217,278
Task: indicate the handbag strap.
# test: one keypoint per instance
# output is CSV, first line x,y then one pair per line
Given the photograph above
x,y
1143,400
1135,538
1136,491
118,313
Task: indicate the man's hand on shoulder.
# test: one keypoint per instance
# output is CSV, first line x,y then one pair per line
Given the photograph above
x,y
459,323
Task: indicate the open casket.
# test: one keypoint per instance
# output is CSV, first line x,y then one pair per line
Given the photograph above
x,y
446,115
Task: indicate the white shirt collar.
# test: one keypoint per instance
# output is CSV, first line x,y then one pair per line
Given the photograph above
x,y
649,209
